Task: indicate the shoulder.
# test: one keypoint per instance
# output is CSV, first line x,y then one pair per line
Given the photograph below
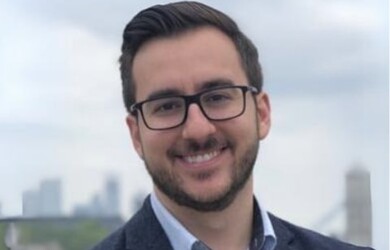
x,y
302,238
117,240
142,231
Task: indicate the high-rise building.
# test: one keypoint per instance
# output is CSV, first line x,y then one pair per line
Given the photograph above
x,y
103,204
94,208
31,203
111,197
46,201
358,207
51,197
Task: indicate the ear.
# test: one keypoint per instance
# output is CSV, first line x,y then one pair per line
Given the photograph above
x,y
263,115
132,124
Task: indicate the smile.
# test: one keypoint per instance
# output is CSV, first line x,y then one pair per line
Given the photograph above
x,y
202,157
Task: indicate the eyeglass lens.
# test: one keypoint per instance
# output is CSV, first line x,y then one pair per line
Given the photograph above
x,y
219,104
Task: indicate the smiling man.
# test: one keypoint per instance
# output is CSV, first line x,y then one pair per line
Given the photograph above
x,y
192,85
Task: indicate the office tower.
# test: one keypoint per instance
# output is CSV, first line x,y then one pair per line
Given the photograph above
x,y
51,198
358,207
31,203
111,197
46,202
105,203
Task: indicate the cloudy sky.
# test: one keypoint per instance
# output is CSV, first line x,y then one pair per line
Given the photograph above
x,y
326,70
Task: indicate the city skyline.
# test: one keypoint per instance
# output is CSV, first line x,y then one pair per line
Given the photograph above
x,y
356,208
47,201
44,201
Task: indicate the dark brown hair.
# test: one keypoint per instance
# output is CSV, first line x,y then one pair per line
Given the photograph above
x,y
173,19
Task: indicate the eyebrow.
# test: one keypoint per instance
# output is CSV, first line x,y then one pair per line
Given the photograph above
x,y
163,93
215,83
210,84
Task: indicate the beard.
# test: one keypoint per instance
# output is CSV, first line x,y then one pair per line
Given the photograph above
x,y
170,184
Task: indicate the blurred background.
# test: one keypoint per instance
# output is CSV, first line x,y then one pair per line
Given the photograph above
x,y
67,166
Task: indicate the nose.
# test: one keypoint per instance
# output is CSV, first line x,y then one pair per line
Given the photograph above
x,y
197,126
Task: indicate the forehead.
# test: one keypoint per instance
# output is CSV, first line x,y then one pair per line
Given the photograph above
x,y
186,62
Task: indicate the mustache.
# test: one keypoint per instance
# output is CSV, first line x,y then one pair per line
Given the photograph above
x,y
193,146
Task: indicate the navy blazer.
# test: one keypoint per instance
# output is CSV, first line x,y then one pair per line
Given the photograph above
x,y
144,232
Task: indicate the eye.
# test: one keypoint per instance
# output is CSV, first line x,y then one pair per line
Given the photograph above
x,y
166,107
219,97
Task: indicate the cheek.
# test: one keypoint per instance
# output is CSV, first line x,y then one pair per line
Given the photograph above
x,y
155,144
241,131
252,122
246,124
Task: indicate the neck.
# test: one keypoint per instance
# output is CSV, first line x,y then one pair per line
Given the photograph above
x,y
230,228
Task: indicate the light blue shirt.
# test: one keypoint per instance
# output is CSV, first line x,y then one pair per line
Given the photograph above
x,y
182,239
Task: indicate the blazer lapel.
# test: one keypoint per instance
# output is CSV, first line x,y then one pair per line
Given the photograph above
x,y
148,234
284,236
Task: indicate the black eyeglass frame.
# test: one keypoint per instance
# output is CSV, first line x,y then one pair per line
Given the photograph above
x,y
189,99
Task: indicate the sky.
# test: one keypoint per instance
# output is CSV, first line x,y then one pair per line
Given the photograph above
x,y
325,66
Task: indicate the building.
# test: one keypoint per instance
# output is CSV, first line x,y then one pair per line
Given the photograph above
x,y
111,197
358,207
94,208
44,202
103,204
51,198
355,210
31,203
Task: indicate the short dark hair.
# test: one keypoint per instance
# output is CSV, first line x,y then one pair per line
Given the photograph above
x,y
174,19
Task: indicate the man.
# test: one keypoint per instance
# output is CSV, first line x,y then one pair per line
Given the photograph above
x,y
192,85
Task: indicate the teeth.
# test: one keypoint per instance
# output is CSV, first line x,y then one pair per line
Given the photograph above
x,y
201,158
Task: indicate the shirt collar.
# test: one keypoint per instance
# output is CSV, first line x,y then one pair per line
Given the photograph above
x,y
263,238
179,237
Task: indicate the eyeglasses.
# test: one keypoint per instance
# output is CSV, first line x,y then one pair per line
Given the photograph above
x,y
217,104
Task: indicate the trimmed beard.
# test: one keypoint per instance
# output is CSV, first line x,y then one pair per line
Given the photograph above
x,y
241,172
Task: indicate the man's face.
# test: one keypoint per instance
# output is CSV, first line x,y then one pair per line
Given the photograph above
x,y
201,164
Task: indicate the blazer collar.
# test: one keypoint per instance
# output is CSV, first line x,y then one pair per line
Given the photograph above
x,y
148,234
284,236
